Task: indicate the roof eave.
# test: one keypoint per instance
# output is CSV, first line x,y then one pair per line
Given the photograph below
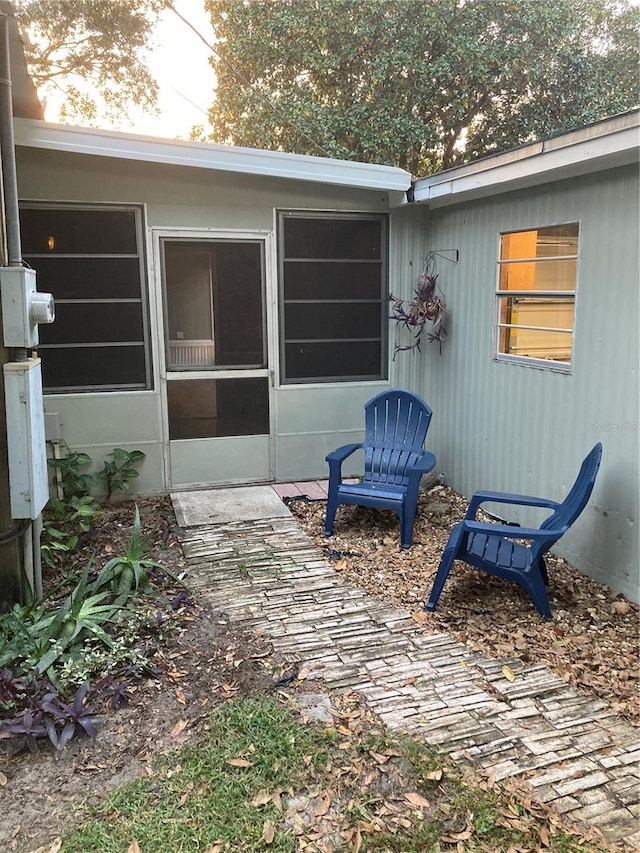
x,y
566,156
275,164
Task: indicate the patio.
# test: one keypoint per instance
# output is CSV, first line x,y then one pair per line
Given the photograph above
x,y
266,573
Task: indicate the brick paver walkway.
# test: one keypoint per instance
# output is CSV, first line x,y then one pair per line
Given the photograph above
x,y
575,752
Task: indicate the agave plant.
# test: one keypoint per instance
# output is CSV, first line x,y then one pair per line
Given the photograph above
x,y
129,572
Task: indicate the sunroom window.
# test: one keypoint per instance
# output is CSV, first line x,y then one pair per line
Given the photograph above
x,y
90,258
333,297
537,274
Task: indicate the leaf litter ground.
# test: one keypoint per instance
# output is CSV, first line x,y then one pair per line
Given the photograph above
x,y
204,662
592,642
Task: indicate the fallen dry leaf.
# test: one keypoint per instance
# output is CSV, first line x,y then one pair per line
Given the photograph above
x,y
508,673
456,837
239,762
179,726
357,841
217,847
417,800
134,847
268,832
54,847
420,617
323,804
3,779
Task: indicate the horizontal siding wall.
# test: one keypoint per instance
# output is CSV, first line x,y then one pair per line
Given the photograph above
x,y
514,428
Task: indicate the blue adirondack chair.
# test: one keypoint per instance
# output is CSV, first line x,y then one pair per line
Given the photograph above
x,y
396,424
491,547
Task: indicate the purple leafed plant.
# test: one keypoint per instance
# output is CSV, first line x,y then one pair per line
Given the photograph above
x,y
25,727
414,314
114,691
75,718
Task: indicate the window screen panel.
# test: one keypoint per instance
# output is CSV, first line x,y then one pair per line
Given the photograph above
x,y
334,360
210,408
332,320
84,368
333,293
330,280
88,278
306,237
95,322
78,231
90,258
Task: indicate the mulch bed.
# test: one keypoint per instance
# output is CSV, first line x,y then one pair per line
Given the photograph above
x,y
592,642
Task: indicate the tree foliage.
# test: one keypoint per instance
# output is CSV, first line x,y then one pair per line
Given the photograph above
x,y
423,85
90,51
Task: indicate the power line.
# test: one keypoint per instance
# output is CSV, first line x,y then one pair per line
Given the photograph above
x,y
265,98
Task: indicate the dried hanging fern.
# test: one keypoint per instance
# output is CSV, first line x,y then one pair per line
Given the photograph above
x,y
414,314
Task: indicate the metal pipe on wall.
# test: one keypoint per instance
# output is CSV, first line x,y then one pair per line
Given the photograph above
x,y
31,561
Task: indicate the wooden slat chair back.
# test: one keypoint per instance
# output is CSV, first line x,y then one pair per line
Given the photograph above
x,y
497,548
396,424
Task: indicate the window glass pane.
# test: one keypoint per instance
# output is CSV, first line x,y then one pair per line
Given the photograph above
x,y
325,320
332,280
332,238
551,313
88,278
206,408
78,231
84,368
540,243
214,304
551,346
335,360
542,276
94,322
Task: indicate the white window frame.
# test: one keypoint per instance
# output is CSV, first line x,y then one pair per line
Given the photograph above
x,y
531,361
331,215
140,257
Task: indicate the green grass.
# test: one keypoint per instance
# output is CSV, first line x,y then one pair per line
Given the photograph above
x,y
197,800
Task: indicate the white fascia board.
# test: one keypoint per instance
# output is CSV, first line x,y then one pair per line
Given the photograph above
x,y
537,163
226,158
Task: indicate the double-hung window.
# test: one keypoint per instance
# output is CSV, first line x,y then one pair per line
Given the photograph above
x,y
333,297
537,274
91,259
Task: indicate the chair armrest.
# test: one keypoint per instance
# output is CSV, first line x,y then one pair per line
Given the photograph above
x,y
422,466
425,463
507,498
511,532
341,453
335,460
